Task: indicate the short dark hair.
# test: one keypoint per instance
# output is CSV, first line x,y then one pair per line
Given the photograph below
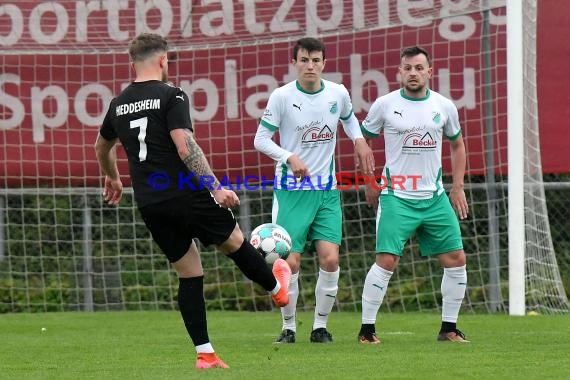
x,y
415,50
146,45
310,44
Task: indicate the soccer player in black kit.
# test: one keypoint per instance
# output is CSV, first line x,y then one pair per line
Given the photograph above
x,y
151,119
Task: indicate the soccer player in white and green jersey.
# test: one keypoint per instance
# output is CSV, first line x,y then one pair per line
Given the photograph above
x,y
306,202
414,120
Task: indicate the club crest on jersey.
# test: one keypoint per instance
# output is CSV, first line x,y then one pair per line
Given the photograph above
x,y
333,107
436,117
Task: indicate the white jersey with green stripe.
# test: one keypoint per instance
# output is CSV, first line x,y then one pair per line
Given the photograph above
x,y
413,134
307,125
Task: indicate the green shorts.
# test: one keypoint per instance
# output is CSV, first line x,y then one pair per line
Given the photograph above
x,y
308,215
433,220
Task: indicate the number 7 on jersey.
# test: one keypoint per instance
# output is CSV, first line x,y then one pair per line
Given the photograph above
x,y
141,123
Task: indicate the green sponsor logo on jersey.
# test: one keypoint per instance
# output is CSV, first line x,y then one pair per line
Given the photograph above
x,y
436,117
333,107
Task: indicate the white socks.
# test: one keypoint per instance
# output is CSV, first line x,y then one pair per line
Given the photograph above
x,y
288,312
375,286
325,296
453,285
204,348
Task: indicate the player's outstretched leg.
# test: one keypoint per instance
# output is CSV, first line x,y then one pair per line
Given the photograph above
x,y
282,273
209,360
254,267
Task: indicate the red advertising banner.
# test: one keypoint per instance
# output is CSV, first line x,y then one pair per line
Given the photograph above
x,y
66,60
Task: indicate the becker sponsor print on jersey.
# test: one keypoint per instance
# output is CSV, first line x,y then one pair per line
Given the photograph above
x,y
416,143
315,136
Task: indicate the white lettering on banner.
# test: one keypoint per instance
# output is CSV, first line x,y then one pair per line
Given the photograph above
x,y
225,17
318,24
466,23
62,23
209,88
113,8
166,16
494,19
80,103
186,18
279,24
384,13
221,18
253,104
11,102
468,98
406,8
41,119
359,78
231,89
358,14
17,22
82,11
57,115
250,18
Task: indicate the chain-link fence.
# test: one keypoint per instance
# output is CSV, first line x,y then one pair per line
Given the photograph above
x,y
65,250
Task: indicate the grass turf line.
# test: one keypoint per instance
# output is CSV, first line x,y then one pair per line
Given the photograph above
x,y
154,345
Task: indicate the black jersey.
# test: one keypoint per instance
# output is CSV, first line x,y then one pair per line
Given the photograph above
x,y
142,117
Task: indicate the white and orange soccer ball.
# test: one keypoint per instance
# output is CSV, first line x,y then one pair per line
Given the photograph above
x,y
272,241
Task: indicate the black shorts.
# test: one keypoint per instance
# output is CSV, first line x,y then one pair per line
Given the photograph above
x,y
175,222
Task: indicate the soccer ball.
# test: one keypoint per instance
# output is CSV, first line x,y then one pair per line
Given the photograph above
x,y
272,241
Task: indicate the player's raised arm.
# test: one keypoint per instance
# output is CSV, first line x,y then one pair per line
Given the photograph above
x,y
107,156
193,157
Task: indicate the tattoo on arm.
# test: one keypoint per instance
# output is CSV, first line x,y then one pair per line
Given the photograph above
x,y
196,161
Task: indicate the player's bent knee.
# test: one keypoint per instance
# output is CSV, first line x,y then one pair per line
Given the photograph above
x,y
329,264
188,266
233,243
453,259
387,261
294,261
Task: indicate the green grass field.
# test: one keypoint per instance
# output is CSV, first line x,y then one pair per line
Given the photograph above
x,y
154,345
